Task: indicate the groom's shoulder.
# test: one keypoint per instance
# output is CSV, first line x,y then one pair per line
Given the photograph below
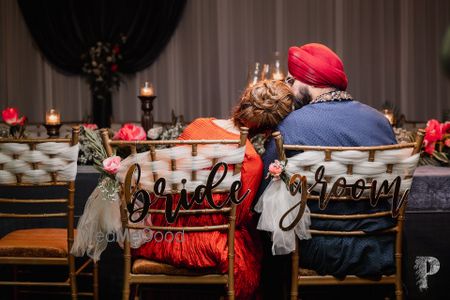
x,y
302,117
322,114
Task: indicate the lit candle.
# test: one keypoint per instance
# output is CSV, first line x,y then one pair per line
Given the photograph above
x,y
52,117
277,76
147,90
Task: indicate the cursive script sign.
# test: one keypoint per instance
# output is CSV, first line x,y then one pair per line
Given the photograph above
x,y
139,200
299,184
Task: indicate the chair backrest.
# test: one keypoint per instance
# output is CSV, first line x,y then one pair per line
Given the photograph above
x,y
185,165
385,171
379,169
32,163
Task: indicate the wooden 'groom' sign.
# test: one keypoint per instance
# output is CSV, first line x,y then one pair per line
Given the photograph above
x,y
298,184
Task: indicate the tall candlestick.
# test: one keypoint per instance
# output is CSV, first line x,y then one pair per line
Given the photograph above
x,y
147,96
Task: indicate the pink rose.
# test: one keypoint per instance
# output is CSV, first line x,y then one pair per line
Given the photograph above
x,y
112,164
90,126
130,132
275,169
11,117
433,132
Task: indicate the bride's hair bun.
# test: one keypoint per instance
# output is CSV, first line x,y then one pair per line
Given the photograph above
x,y
263,105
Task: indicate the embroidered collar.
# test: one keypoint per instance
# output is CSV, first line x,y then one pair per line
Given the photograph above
x,y
332,96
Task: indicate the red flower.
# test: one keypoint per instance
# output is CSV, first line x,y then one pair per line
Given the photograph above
x,y
114,68
116,49
445,127
429,147
433,132
22,120
11,117
130,132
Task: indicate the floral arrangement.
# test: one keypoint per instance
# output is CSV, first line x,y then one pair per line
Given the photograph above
x,y
437,143
277,171
16,124
101,67
91,144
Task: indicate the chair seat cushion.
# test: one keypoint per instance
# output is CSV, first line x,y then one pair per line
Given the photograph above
x,y
39,242
144,266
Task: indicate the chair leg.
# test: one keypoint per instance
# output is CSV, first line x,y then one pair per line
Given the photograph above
x,y
294,273
95,280
126,291
136,292
126,270
72,278
398,291
231,295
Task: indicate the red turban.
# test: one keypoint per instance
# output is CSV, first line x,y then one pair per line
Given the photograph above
x,y
317,65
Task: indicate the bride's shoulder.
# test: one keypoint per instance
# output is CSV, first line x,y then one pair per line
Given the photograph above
x,y
200,122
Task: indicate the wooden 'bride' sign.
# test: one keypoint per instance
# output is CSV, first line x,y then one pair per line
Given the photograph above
x,y
133,195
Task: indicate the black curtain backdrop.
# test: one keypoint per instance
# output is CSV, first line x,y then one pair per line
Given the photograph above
x,y
66,29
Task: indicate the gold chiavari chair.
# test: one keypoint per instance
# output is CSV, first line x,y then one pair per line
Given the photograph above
x,y
306,277
142,271
48,164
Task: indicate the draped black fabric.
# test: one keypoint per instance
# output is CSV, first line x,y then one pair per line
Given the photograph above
x,y
64,30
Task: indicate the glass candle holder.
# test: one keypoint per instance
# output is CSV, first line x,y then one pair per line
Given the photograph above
x,y
147,90
52,117
52,123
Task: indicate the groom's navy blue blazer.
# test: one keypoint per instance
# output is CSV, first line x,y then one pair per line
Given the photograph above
x,y
340,123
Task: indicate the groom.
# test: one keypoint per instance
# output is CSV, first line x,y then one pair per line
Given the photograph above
x,y
331,117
